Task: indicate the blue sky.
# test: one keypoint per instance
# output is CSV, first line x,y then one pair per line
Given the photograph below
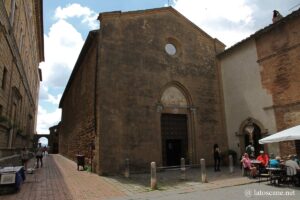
x,y
67,23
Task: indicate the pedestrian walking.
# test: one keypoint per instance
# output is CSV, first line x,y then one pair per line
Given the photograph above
x,y
24,157
217,157
39,156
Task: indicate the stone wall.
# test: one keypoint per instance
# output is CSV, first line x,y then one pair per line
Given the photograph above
x,y
278,55
21,53
134,70
77,128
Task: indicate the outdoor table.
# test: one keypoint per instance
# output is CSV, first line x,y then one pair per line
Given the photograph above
x,y
11,178
276,174
256,163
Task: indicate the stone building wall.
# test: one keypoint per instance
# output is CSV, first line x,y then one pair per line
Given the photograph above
x,y
134,71
244,95
77,128
278,54
21,46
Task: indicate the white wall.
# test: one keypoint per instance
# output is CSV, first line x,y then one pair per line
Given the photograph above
x,y
243,93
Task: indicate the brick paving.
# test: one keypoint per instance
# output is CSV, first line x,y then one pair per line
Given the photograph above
x,y
60,180
45,183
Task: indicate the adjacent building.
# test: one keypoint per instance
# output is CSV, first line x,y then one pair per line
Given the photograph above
x,y
260,78
145,87
22,49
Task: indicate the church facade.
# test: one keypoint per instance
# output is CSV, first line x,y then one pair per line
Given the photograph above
x,y
151,86
145,87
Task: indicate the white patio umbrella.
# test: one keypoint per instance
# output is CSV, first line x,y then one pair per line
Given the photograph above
x,y
285,135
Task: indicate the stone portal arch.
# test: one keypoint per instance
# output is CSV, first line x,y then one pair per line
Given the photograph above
x,y
251,130
177,124
37,138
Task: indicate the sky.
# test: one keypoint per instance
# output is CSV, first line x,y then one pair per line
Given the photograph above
x,y
68,22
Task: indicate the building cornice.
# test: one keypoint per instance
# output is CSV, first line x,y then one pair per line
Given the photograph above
x,y
40,28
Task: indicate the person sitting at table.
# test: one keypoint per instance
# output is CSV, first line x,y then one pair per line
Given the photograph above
x,y
248,166
264,161
293,164
296,159
275,162
263,158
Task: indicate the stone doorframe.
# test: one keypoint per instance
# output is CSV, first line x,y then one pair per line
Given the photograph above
x,y
180,102
241,131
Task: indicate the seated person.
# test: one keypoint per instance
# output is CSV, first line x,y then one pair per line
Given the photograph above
x,y
275,163
248,166
295,158
293,165
264,159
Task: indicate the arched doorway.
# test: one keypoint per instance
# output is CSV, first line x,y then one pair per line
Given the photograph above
x,y
252,132
44,139
174,138
177,130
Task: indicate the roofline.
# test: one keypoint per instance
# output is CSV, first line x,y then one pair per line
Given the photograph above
x,y
261,32
40,28
87,44
155,10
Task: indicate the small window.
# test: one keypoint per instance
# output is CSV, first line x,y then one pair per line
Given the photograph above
x,y
4,77
1,110
170,49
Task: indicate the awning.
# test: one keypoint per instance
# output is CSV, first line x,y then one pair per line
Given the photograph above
x,y
285,135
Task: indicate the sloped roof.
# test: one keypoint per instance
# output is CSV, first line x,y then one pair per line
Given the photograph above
x,y
262,31
87,44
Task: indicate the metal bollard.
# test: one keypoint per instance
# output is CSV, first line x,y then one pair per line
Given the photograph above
x,y
203,171
127,172
182,169
230,164
153,176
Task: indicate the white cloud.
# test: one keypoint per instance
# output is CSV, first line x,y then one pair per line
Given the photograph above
x,y
63,44
47,119
54,99
230,22
76,10
62,47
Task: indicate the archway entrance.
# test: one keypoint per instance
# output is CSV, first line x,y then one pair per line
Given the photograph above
x,y
174,138
252,133
177,125
43,141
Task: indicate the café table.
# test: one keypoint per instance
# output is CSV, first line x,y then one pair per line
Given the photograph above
x,y
276,174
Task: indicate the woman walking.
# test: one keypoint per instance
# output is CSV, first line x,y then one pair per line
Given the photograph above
x,y
217,157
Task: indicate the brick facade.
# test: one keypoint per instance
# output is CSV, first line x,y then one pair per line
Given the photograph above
x,y
269,89
278,55
21,47
120,109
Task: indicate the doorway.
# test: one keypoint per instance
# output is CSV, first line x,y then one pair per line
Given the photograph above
x,y
174,138
256,136
173,152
